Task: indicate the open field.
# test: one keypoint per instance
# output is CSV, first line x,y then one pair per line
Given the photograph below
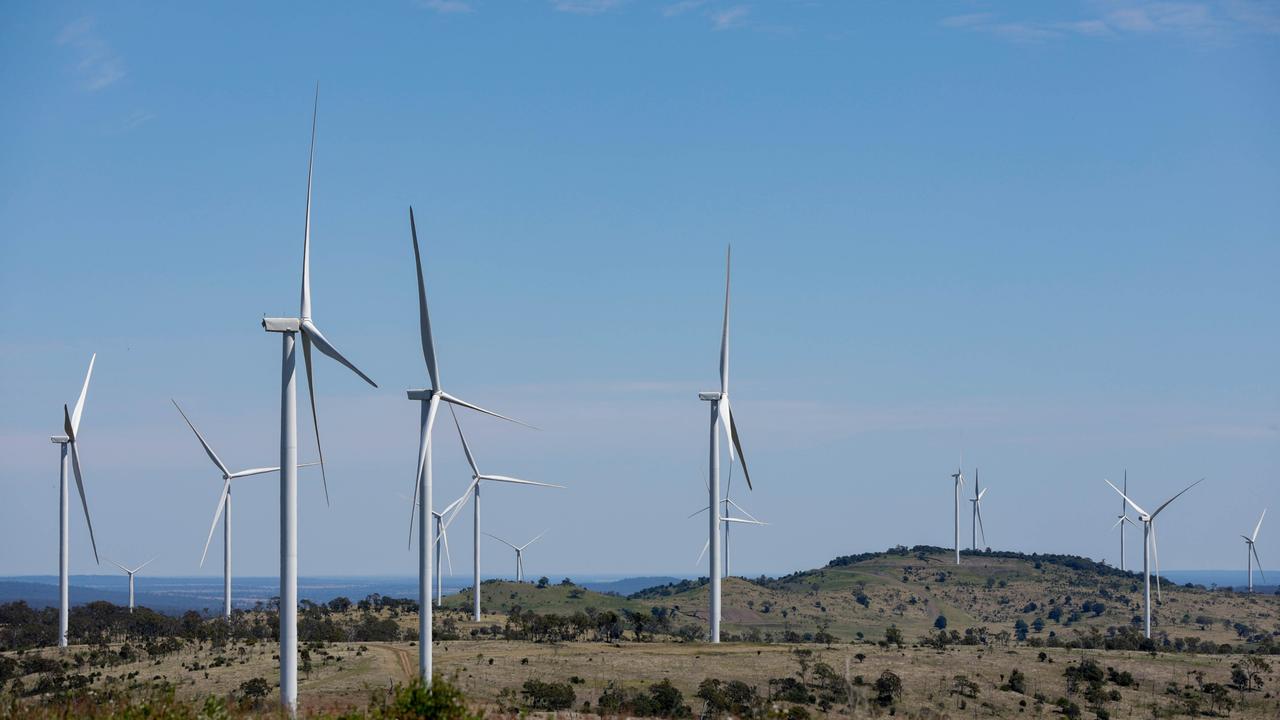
x,y
491,673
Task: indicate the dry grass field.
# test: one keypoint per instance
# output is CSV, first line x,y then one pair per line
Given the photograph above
x,y
853,601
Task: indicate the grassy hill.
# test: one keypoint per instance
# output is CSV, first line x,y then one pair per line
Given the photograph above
x,y
860,596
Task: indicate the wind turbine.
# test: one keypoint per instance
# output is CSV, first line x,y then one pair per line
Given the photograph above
x,y
429,400
977,511
721,415
476,477
727,520
1123,518
519,552
130,573
1149,549
958,477
1251,550
290,329
70,426
223,509
442,536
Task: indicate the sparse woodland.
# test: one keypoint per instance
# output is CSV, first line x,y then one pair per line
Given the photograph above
x,y
901,633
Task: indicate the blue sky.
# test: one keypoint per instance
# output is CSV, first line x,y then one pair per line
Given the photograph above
x,y
1045,236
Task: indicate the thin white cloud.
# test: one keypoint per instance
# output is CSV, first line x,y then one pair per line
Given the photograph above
x,y
1194,20
447,7
682,7
728,18
97,63
585,7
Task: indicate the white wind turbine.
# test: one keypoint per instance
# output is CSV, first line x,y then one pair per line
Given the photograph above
x,y
442,537
977,511
519,552
429,399
289,328
131,573
727,520
1149,549
958,477
476,477
1251,550
70,426
223,508
1123,518
721,415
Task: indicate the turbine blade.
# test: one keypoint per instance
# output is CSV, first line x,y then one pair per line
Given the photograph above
x,y
413,512
743,510
705,545
444,538
261,471
306,235
465,447
1127,499
504,542
981,530
1175,497
724,332
315,418
460,503
744,521
84,390
737,443
113,562
699,512
1254,548
217,513
424,444
544,532
984,490
518,481
451,399
208,450
135,570
1258,526
424,318
324,346
1119,522
84,502
1155,553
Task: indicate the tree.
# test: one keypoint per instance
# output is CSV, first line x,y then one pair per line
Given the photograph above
x,y
548,696
893,636
1020,629
1017,682
888,688
543,582
941,622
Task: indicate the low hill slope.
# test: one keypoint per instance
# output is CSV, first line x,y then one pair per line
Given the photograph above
x,y
860,596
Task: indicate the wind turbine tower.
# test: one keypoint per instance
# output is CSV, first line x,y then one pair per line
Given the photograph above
x,y
131,573
290,328
721,416
1149,549
977,511
68,442
1251,550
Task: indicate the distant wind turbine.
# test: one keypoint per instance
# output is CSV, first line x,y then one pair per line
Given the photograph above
x,y
977,511
1149,549
442,537
721,415
1123,518
1251,550
476,477
429,400
727,520
290,328
223,508
958,477
131,573
519,552
70,426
